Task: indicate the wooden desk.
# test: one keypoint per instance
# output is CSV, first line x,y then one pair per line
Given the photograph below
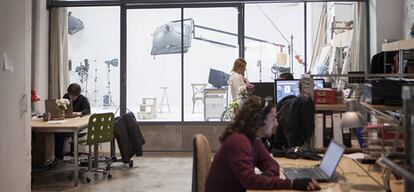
x,y
355,175
72,125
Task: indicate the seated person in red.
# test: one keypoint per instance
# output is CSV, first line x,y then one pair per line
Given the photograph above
x,y
241,151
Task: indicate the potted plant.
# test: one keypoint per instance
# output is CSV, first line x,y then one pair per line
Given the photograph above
x,y
62,105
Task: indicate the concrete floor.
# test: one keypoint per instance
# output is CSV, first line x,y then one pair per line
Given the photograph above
x,y
153,172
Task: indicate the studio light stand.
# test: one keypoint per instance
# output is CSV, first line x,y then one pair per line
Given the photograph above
x,y
107,99
83,73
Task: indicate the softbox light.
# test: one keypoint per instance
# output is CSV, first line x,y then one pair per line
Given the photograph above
x,y
74,24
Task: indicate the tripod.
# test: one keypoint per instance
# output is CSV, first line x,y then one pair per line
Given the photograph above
x,y
107,99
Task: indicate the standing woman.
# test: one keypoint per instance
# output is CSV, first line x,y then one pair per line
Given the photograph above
x,y
237,78
241,151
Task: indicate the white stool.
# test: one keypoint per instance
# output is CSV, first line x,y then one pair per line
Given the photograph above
x,y
164,97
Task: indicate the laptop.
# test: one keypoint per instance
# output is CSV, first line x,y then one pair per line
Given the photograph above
x,y
326,169
51,107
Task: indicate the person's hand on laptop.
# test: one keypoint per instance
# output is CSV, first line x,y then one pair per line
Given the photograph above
x,y
305,184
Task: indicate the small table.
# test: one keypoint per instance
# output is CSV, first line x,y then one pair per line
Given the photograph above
x,y
356,175
71,125
215,102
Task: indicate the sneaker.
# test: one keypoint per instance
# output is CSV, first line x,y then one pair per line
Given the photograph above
x,y
54,163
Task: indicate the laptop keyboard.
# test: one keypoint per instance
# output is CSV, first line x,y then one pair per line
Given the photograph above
x,y
304,173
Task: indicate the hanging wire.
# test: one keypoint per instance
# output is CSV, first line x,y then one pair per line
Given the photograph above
x,y
274,26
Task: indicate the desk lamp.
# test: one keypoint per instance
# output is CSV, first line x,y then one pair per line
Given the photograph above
x,y
34,98
352,119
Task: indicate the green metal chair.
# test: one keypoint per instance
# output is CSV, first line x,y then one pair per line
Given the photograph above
x,y
100,130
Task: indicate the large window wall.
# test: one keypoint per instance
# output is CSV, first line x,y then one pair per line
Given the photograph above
x,y
149,75
217,51
214,36
277,24
93,52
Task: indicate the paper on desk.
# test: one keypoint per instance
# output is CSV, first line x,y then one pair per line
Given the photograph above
x,y
8,62
355,156
56,122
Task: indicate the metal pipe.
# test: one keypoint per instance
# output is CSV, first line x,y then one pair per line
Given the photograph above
x,y
397,169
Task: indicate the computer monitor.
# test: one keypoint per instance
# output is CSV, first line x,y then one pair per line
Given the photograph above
x,y
167,39
218,78
265,90
318,83
284,88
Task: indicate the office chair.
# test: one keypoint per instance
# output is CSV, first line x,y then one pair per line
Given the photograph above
x,y
201,162
100,130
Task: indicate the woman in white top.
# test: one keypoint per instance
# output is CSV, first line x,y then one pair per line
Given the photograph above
x,y
237,79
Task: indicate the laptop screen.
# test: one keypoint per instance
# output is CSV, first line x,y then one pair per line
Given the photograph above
x,y
332,157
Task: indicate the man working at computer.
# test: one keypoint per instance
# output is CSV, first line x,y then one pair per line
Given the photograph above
x,y
81,107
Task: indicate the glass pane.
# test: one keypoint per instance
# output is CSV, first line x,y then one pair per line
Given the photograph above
x,y
94,54
154,64
343,36
276,24
89,0
211,48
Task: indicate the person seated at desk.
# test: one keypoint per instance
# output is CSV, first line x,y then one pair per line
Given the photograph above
x,y
237,79
81,107
286,76
241,151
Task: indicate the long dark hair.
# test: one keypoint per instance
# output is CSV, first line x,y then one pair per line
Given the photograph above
x,y
249,118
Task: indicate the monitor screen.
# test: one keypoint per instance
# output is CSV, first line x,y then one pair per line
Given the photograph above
x,y
218,78
265,90
318,83
285,88
291,87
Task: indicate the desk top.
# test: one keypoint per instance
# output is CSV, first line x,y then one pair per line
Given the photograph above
x,y
69,124
330,107
398,45
355,175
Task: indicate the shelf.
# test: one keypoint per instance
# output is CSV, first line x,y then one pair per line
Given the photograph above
x,y
382,107
398,45
330,107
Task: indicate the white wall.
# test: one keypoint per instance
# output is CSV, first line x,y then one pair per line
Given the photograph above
x,y
386,22
15,131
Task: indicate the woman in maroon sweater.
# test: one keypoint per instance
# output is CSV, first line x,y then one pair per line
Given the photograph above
x,y
241,151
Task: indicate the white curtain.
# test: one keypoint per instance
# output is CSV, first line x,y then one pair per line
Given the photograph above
x,y
321,37
356,59
59,77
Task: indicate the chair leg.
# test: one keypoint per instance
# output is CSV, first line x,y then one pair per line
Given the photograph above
x,y
90,158
193,104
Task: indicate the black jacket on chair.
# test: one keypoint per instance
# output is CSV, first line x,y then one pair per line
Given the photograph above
x,y
128,136
296,122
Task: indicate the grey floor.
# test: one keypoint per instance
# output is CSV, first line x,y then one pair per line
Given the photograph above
x,y
157,172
